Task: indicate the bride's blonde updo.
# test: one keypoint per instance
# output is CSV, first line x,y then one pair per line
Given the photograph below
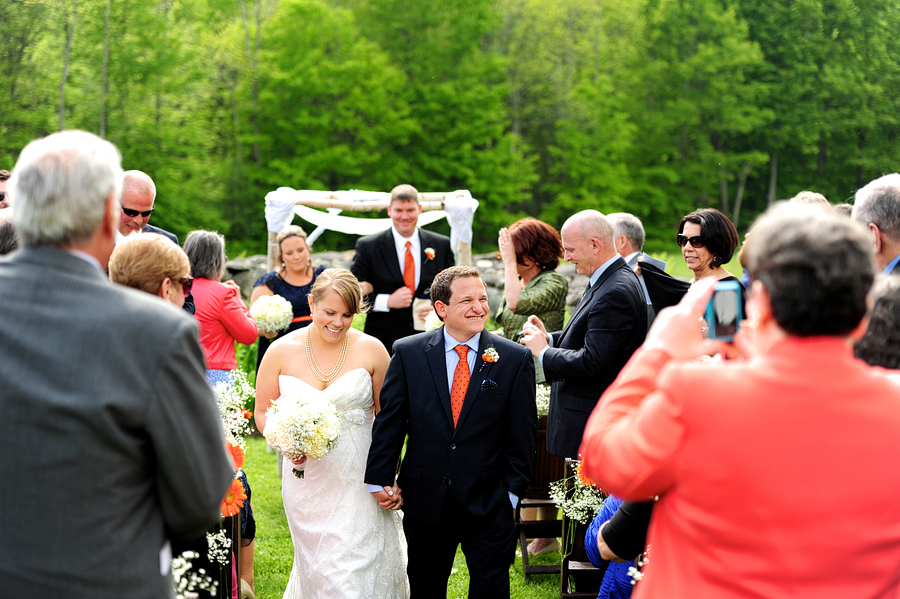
x,y
344,284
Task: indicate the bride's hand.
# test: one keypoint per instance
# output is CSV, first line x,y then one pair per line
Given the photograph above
x,y
299,461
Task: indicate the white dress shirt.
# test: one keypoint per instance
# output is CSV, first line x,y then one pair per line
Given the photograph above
x,y
381,300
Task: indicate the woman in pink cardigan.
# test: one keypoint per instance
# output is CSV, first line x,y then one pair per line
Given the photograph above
x,y
221,312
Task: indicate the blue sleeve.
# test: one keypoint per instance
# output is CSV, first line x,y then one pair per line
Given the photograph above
x,y
606,512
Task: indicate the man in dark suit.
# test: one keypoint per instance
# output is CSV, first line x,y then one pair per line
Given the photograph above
x,y
111,436
877,207
605,328
396,267
466,399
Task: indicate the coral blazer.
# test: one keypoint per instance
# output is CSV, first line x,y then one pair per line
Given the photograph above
x,y
224,319
777,476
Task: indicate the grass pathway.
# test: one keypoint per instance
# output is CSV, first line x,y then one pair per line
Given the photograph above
x,y
275,553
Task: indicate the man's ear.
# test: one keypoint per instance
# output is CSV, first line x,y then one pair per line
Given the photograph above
x,y
759,304
441,309
111,215
876,237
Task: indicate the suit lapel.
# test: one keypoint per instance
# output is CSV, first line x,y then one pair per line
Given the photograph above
x,y
437,362
389,255
476,378
586,300
425,266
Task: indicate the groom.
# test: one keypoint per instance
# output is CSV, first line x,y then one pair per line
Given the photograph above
x,y
465,398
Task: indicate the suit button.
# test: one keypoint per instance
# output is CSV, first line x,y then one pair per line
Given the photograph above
x,y
443,479
453,446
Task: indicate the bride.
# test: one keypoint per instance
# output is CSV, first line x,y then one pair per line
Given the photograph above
x,y
345,545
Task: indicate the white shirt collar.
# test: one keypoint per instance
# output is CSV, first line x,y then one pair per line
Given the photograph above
x,y
400,240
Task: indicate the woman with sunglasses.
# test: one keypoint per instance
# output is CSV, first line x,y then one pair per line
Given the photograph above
x,y
707,240
154,264
221,312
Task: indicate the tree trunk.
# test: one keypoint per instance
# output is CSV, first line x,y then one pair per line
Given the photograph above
x,y
70,32
723,190
105,89
739,196
773,177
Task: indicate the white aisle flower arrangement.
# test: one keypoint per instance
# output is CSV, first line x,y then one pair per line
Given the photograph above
x,y
542,397
232,399
272,313
299,426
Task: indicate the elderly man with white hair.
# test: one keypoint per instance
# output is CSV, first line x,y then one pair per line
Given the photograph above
x,y
877,207
111,437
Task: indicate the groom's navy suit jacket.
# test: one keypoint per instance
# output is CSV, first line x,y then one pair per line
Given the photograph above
x,y
488,453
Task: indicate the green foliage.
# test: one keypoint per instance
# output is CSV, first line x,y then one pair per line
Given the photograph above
x,y
538,107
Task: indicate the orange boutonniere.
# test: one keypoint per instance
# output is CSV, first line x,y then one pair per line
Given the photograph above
x,y
429,253
237,455
234,499
490,355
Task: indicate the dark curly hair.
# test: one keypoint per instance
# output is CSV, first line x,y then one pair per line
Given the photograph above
x,y
717,231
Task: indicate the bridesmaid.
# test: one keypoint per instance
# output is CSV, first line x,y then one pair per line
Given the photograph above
x,y
292,279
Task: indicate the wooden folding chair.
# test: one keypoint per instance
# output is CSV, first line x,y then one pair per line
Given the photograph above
x,y
576,567
545,469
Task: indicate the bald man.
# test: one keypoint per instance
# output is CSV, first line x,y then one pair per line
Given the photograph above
x,y
138,199
606,326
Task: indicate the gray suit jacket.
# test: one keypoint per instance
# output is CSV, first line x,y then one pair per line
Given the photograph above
x,y
109,434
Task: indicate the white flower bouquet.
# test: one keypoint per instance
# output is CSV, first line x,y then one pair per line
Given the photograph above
x,y
300,426
272,312
232,399
542,398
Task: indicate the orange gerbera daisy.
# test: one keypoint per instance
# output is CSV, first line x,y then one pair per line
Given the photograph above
x,y
582,476
237,454
234,499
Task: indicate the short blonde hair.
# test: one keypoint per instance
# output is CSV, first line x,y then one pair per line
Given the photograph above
x,y
344,284
144,260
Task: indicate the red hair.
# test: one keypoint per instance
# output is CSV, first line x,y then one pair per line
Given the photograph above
x,y
536,240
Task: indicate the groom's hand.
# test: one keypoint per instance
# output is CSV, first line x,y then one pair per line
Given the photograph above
x,y
389,498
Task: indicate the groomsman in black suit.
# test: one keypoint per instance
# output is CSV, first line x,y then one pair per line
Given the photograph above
x,y
465,398
396,267
605,328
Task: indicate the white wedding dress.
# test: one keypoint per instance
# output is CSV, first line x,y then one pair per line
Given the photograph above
x,y
345,544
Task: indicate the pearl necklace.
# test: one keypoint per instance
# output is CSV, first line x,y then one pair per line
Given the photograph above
x,y
327,378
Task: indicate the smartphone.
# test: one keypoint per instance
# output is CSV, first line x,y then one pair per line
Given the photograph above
x,y
725,311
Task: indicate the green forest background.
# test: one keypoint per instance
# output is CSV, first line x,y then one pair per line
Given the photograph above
x,y
538,107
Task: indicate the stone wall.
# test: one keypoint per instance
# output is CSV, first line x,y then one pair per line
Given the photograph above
x,y
245,271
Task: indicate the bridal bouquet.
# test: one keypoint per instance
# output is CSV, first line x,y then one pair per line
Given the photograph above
x,y
272,312
300,426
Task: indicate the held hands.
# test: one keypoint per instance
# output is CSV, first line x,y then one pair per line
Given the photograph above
x,y
390,498
535,335
402,298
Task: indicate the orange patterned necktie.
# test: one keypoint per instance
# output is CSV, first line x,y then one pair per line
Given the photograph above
x,y
460,382
409,269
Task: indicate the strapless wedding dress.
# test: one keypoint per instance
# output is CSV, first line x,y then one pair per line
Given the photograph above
x,y
345,544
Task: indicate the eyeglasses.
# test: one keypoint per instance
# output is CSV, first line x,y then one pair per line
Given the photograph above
x,y
2,195
695,241
186,284
132,213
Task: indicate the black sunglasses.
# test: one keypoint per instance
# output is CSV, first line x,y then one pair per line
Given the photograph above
x,y
2,195
132,213
695,241
186,284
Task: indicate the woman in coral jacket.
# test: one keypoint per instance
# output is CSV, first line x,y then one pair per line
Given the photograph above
x,y
221,312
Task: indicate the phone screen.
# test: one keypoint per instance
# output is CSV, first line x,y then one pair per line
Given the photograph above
x,y
726,307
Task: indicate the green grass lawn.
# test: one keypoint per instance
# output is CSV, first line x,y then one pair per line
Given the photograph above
x,y
275,553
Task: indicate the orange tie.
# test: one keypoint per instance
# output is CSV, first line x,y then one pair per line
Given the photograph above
x,y
409,269
460,382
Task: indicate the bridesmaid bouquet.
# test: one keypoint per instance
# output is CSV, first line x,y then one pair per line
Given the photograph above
x,y
272,312
300,426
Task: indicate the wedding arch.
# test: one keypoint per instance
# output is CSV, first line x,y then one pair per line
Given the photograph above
x,y
458,207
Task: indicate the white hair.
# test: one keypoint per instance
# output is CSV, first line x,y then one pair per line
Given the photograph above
x,y
61,184
879,203
628,225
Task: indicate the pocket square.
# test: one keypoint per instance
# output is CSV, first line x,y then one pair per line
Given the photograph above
x,y
489,384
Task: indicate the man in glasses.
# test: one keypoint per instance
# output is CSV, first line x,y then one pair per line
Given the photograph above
x,y
138,199
4,196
